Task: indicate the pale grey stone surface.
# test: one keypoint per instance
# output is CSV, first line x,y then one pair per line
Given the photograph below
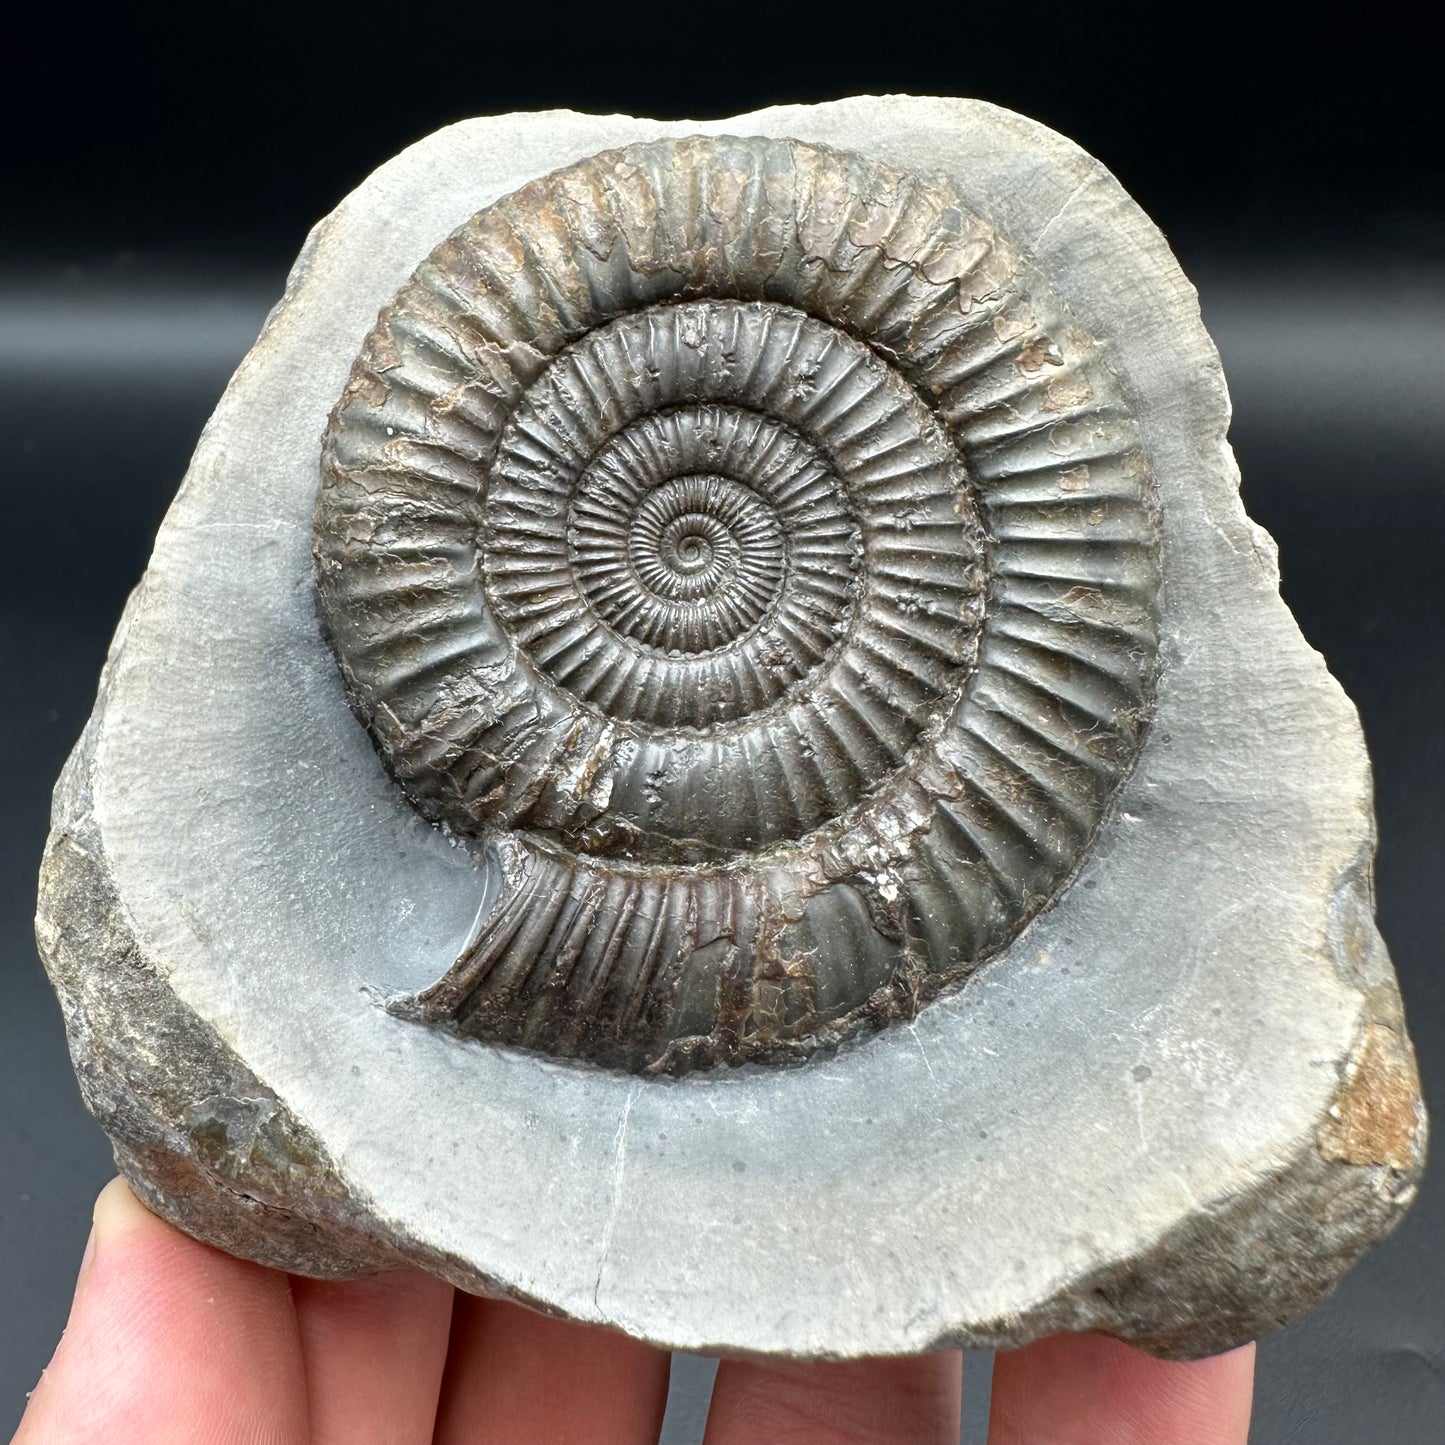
x,y
1176,1109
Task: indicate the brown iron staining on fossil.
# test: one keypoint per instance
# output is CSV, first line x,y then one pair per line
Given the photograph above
x,y
736,540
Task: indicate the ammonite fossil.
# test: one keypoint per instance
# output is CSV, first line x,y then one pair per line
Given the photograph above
x,y
737,541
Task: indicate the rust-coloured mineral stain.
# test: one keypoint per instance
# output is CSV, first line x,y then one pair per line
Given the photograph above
x,y
1374,1119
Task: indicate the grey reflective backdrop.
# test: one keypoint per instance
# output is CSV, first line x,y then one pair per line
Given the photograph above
x,y
145,255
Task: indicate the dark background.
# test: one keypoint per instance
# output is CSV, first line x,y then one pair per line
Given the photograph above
x,y
161,172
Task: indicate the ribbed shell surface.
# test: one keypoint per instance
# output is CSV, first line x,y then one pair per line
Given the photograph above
x,y
737,541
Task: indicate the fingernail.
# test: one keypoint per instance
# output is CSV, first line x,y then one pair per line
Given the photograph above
x,y
113,1205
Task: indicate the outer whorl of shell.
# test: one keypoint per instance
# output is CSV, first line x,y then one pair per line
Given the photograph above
x,y
738,541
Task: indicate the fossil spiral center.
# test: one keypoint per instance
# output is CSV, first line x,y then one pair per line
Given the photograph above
x,y
703,562
688,547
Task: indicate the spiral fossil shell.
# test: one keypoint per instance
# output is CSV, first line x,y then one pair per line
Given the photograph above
x,y
737,541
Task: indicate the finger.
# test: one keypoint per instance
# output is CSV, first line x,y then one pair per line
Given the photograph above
x,y
788,1402
169,1341
518,1378
374,1351
1092,1390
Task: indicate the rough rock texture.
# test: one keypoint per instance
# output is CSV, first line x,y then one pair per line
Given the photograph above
x,y
1176,1108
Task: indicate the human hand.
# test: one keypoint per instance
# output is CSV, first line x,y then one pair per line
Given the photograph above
x,y
170,1340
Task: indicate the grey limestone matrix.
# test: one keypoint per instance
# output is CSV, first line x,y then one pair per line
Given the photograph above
x,y
707,746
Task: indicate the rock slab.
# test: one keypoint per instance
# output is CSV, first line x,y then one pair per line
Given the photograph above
x,y
1176,1108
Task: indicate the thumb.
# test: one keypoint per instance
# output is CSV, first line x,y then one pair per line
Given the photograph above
x,y
169,1340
